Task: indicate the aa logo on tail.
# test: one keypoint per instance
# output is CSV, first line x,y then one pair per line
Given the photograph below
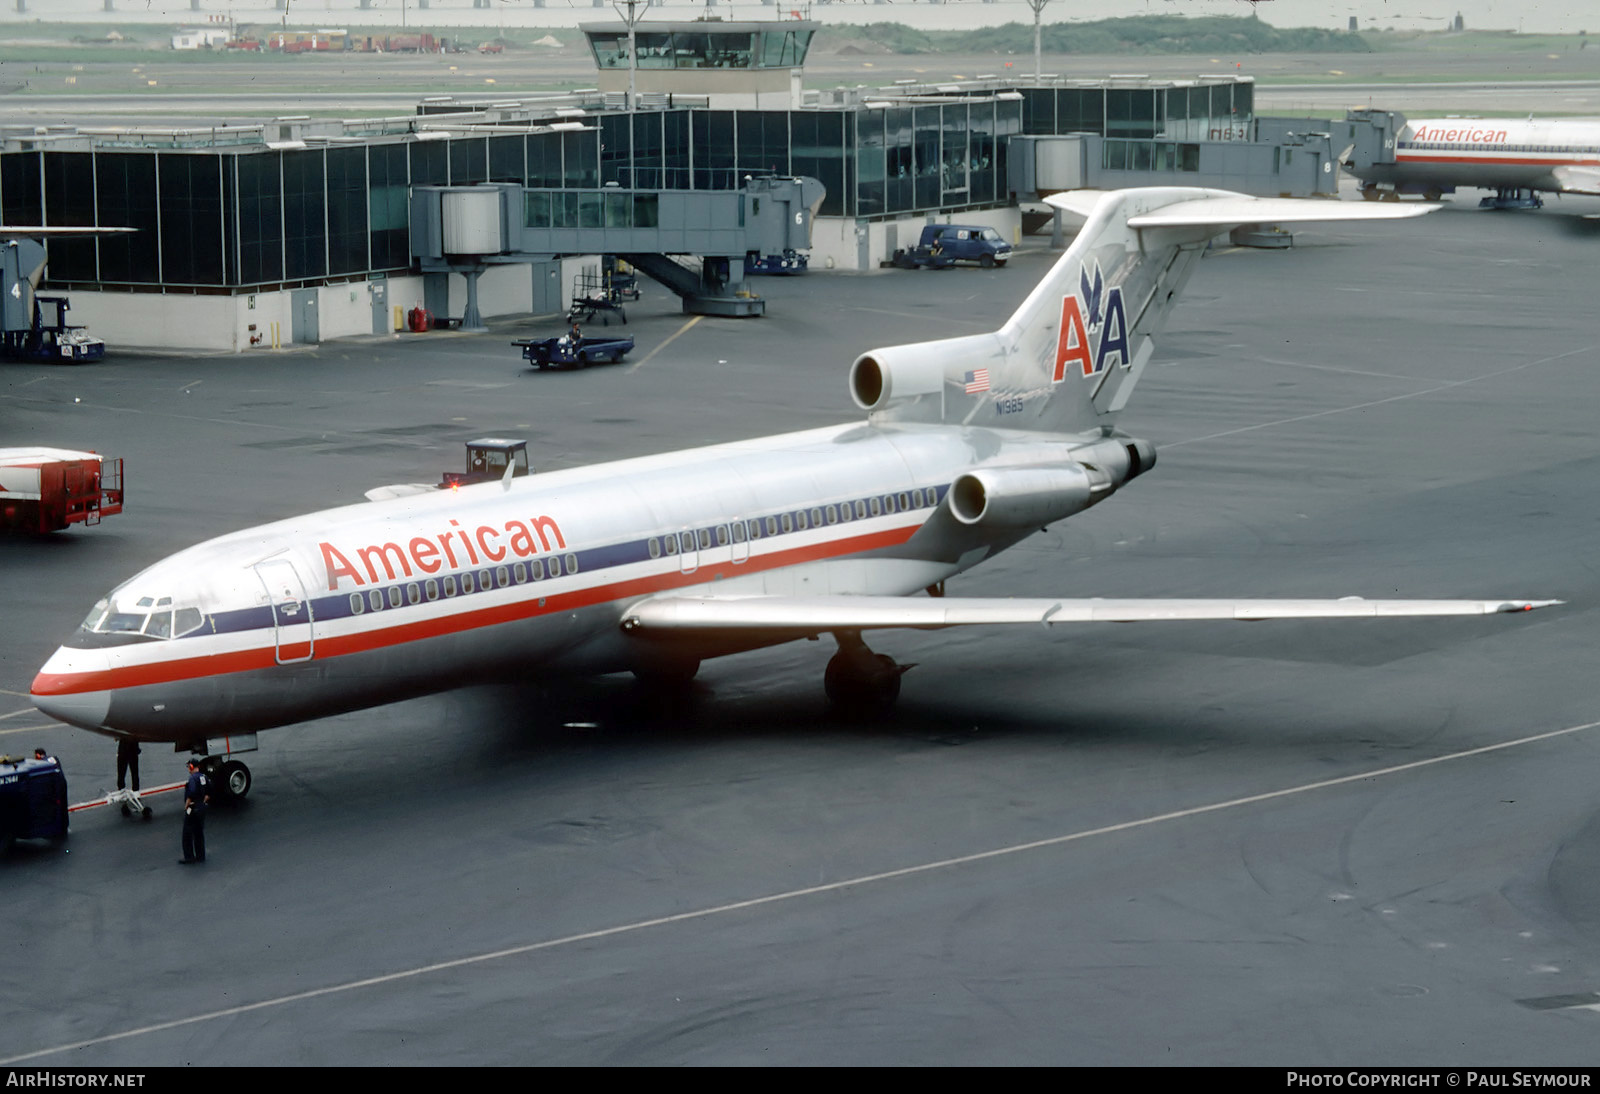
x,y
1089,335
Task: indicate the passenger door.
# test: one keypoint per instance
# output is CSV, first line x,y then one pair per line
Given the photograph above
x,y
291,611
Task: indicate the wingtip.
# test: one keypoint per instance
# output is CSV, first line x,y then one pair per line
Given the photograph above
x,y
1528,605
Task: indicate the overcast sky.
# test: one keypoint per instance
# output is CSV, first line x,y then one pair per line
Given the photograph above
x,y
1528,16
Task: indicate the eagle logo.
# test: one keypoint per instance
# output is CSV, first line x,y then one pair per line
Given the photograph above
x,y
1094,328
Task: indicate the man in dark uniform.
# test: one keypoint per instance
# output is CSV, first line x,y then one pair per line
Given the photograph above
x,y
196,796
127,764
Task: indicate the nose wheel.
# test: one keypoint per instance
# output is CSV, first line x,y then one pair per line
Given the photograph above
x,y
859,682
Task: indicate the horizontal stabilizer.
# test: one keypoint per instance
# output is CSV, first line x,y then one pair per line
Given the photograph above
x,y
1227,210
1068,359
832,613
1224,212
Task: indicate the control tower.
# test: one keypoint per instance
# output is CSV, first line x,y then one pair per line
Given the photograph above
x,y
737,64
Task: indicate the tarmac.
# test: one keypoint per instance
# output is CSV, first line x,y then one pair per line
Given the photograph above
x,y
101,86
1298,843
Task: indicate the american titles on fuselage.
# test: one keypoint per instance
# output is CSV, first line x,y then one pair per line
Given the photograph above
x,y
430,558
1463,135
1089,334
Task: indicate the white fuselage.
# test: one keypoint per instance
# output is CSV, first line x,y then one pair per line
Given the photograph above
x,y
365,604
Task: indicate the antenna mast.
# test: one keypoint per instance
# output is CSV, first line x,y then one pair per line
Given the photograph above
x,y
632,19
1038,8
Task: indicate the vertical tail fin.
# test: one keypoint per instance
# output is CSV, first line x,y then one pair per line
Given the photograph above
x,y
1068,359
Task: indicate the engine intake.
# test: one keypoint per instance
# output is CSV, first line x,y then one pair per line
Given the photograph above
x,y
1018,497
899,375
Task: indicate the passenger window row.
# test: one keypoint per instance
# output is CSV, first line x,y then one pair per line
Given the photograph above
x,y
795,520
697,539
1438,145
155,618
452,585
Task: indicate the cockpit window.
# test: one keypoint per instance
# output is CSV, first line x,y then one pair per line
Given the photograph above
x,y
123,623
153,617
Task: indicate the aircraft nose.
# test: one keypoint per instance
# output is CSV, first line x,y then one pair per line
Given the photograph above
x,y
87,710
63,690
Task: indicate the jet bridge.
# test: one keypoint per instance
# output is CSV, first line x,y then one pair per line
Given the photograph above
x,y
34,327
1367,138
692,241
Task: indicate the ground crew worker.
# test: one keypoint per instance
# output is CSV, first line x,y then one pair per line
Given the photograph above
x,y
196,796
127,763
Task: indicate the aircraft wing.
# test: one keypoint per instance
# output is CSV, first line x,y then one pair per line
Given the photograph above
x,y
818,614
1577,179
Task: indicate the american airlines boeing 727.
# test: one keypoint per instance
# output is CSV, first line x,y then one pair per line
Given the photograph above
x,y
1433,156
654,564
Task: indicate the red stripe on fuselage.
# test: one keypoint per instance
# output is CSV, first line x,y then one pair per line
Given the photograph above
x,y
222,664
1479,161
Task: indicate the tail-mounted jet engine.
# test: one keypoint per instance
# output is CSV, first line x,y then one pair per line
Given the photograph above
x,y
1020,497
904,376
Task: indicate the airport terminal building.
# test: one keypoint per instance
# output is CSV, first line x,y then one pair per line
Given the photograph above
x,y
301,229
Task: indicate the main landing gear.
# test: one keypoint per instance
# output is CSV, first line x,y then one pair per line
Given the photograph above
x,y
1512,198
230,779
860,682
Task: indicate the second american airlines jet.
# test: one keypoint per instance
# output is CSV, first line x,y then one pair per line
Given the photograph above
x,y
654,564
1433,156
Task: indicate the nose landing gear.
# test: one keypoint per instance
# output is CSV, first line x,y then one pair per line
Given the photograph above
x,y
235,778
860,682
230,779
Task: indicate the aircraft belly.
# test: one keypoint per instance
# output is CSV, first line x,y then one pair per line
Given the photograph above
x,y
280,694
1480,174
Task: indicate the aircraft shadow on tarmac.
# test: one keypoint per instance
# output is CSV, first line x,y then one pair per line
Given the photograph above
x,y
537,722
